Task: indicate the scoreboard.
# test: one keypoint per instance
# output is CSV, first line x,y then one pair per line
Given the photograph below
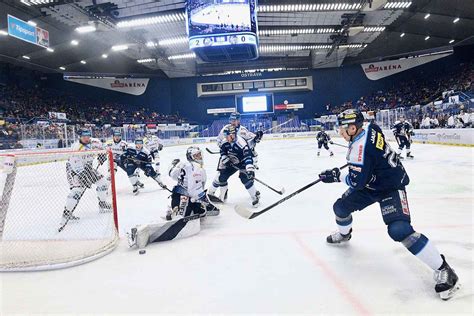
x,y
222,30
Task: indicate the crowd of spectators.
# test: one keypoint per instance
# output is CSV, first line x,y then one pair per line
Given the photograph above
x,y
414,92
26,104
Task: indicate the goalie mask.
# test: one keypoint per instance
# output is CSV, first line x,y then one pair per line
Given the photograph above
x,y
194,154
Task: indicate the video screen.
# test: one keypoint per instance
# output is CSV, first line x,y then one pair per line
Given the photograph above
x,y
254,104
209,17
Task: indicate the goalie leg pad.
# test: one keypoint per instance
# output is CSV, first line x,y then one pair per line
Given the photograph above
x,y
180,228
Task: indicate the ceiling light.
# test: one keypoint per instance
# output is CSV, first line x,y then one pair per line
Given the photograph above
x,y
26,57
62,68
146,60
173,41
403,34
456,20
427,16
451,41
86,29
74,42
117,48
105,56
150,44
182,56
33,23
164,18
4,33
83,62
427,38
49,49
308,7
26,2
374,28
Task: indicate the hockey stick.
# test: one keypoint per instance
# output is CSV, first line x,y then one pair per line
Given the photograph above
x,y
212,152
281,192
246,213
340,145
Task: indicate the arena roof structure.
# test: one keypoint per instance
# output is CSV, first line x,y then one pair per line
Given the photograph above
x,y
148,37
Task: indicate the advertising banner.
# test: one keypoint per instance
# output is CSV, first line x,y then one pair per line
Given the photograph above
x,y
26,32
379,70
134,86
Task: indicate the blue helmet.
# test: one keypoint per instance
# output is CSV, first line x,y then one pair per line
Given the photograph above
x,y
85,132
234,116
350,116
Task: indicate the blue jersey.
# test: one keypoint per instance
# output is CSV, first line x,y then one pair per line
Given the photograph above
x,y
373,164
238,151
402,129
323,137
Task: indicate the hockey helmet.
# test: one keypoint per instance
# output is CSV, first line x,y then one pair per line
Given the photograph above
x,y
230,130
234,116
194,154
350,116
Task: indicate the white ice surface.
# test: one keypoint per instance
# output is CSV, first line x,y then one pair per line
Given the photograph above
x,y
278,262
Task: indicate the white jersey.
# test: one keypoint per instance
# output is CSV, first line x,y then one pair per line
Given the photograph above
x,y
78,162
152,143
117,148
241,131
191,178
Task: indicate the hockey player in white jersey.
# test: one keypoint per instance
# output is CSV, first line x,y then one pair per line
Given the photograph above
x,y
81,175
139,158
154,144
189,204
188,195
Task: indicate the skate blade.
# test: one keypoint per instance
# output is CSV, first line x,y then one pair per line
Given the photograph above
x,y
446,295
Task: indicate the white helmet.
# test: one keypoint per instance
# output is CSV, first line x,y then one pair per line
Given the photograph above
x,y
194,153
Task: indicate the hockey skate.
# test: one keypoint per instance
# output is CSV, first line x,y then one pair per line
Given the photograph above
x,y
218,199
138,236
136,189
446,281
337,237
256,199
67,216
104,207
140,185
410,156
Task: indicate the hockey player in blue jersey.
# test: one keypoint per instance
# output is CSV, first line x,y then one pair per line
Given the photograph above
x,y
323,140
139,158
376,175
403,130
236,156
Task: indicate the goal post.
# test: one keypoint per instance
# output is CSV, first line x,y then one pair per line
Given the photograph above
x,y
35,188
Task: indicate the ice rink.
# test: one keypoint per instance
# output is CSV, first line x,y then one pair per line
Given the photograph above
x,y
279,262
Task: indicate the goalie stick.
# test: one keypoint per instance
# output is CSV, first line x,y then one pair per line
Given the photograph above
x,y
212,152
246,213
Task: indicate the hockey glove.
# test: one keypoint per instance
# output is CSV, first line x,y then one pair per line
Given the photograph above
x,y
175,162
86,179
258,136
250,171
101,158
330,175
225,160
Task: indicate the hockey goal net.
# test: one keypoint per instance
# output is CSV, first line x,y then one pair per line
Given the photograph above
x,y
35,189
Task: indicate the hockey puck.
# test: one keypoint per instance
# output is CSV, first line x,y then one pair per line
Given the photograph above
x,y
142,252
